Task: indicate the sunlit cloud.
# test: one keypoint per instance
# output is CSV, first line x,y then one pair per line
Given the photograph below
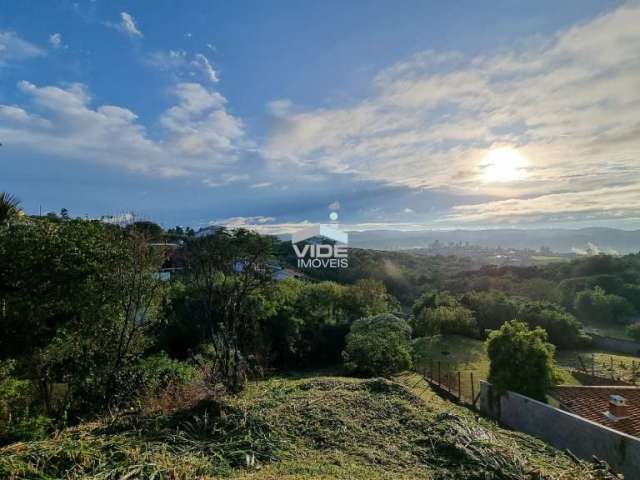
x,y
566,106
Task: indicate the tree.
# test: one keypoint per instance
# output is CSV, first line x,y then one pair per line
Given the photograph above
x,y
445,320
149,230
521,360
596,306
78,299
378,345
491,309
226,275
563,329
9,207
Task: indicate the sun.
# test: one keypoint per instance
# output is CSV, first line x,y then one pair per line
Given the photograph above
x,y
503,165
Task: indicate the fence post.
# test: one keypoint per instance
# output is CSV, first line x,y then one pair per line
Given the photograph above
x,y
439,373
611,362
459,388
473,391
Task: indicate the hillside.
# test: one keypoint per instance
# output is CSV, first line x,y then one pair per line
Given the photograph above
x,y
322,427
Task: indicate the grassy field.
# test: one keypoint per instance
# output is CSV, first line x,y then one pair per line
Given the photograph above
x,y
614,331
306,428
466,355
545,259
610,365
455,353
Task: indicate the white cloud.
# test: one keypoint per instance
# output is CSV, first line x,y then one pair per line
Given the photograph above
x,y
199,136
128,24
200,124
244,222
55,40
168,60
202,63
569,104
180,63
14,48
261,185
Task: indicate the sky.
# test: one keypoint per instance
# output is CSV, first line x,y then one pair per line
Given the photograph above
x,y
396,115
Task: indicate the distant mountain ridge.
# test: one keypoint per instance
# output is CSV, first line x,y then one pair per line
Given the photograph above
x,y
585,240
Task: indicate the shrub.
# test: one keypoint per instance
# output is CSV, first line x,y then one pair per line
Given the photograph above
x,y
159,370
521,360
378,345
445,320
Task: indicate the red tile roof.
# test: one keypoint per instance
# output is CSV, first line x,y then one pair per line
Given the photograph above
x,y
591,402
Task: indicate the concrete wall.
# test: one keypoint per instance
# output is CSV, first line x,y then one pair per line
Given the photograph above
x,y
616,344
562,429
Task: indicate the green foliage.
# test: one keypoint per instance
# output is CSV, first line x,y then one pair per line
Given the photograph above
x,y
159,370
149,230
378,345
445,320
521,360
79,298
633,331
563,329
597,306
491,309
9,207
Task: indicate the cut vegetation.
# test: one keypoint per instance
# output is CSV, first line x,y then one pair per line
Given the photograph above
x,y
324,427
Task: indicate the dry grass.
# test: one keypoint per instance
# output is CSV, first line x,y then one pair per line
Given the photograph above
x,y
324,427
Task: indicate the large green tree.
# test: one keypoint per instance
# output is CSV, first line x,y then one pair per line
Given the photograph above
x,y
521,360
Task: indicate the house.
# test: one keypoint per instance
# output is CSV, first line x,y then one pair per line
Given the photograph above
x,y
286,273
616,407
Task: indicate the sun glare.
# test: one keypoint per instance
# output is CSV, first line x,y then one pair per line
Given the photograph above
x,y
502,165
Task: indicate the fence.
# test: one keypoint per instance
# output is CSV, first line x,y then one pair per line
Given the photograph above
x,y
606,370
462,387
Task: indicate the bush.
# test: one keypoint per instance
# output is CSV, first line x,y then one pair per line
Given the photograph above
x,y
445,320
521,360
563,329
378,345
159,370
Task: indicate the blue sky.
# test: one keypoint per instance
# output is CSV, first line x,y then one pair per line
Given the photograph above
x,y
403,115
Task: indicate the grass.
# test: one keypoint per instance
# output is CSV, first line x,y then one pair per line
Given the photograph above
x,y
456,353
605,364
546,259
613,331
309,428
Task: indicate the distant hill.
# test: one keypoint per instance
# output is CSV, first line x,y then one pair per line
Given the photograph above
x,y
595,240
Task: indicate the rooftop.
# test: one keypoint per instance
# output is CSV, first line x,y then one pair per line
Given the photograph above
x,y
592,402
